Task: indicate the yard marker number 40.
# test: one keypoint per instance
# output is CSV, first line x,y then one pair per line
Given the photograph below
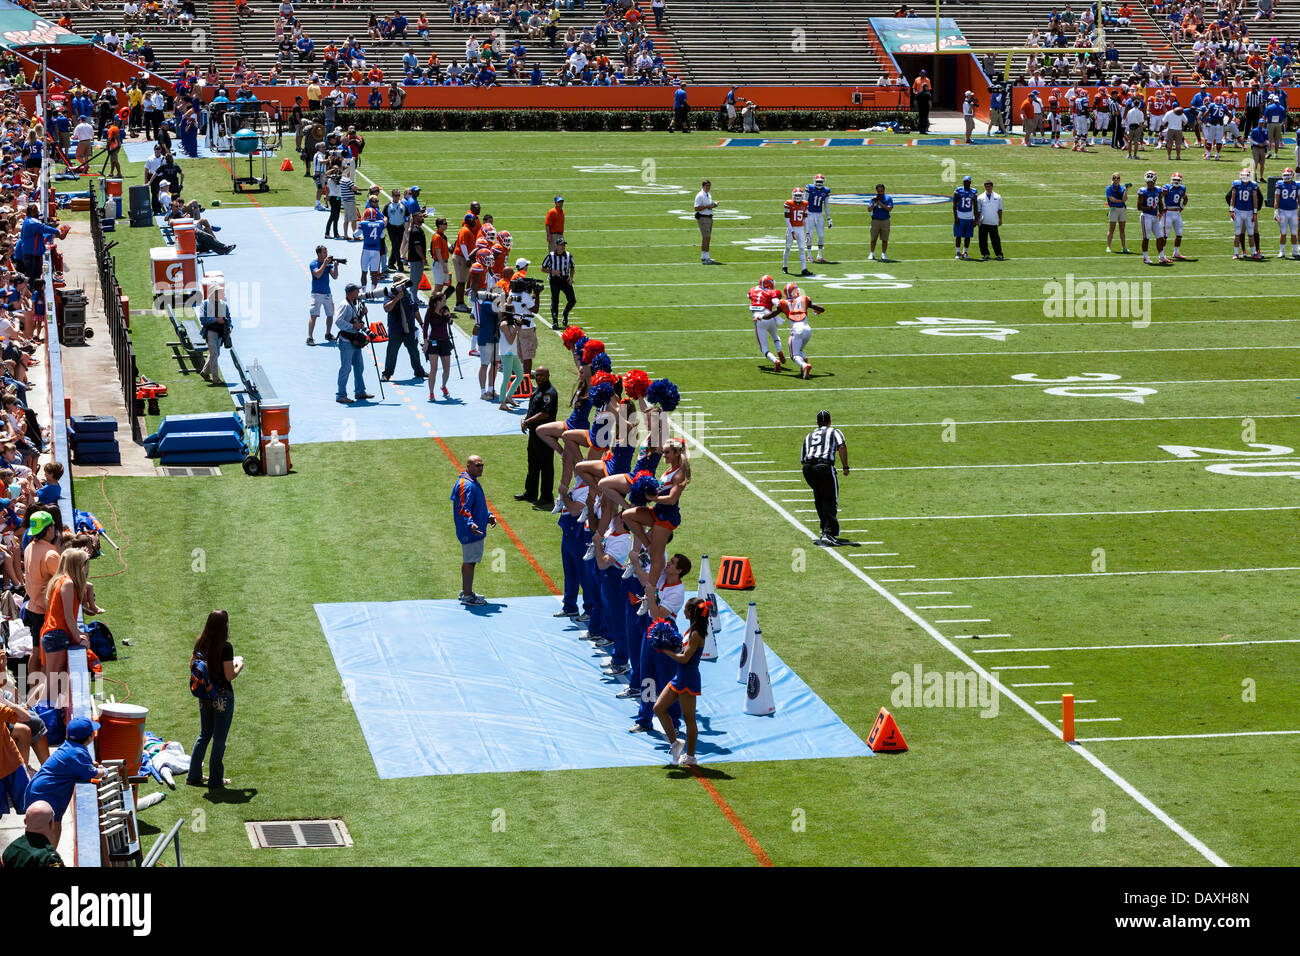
x,y
1067,386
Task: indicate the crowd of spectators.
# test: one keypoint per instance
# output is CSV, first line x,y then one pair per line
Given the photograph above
x,y
1219,40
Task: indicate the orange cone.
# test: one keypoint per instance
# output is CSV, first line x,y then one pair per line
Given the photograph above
x,y
885,736
424,284
286,166
734,574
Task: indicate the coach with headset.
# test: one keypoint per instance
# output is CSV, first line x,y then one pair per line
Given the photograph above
x,y
819,450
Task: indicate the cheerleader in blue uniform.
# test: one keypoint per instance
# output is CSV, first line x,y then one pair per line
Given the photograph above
x,y
653,523
685,685
579,418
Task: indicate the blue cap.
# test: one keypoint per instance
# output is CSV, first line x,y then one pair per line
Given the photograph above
x,y
559,199
81,728
415,189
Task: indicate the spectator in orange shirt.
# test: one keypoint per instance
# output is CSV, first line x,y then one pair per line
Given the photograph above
x,y
440,256
554,223
461,256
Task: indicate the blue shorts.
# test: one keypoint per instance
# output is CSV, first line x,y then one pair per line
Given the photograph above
x,y
13,790
963,228
687,681
668,516
55,640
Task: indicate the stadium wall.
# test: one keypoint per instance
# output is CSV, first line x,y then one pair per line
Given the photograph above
x,y
703,98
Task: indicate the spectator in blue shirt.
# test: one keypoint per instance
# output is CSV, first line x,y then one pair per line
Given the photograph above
x,y
535,78
881,204
469,512
397,27
68,766
375,99
31,242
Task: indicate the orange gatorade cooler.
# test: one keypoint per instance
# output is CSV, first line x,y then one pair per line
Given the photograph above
x,y
121,735
184,229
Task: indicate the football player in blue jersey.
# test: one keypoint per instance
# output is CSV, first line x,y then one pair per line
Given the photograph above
x,y
1286,203
963,217
819,216
1175,200
1150,203
1244,202
372,259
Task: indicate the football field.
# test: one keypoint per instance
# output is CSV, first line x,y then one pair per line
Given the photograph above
x,y
1072,473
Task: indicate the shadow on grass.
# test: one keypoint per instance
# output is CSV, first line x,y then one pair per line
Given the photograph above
x,y
231,795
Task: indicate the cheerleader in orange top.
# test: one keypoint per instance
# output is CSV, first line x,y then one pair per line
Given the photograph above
x,y
685,685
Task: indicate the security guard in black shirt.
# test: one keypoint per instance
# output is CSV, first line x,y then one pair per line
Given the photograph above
x,y
541,458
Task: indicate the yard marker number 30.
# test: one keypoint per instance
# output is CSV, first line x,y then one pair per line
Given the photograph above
x,y
1068,386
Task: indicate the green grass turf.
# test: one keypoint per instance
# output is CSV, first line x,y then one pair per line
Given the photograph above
x,y
1219,350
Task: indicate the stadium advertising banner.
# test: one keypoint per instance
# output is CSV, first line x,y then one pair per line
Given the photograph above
x,y
22,28
916,34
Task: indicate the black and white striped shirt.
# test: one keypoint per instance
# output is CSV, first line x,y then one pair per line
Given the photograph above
x,y
559,264
1255,100
821,445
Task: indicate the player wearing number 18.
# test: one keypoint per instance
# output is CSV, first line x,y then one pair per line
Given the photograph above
x,y
1244,201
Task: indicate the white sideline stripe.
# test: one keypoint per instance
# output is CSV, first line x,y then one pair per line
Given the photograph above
x,y
964,620
1125,647
923,388
939,607
1068,464
1019,421
1238,733
1058,700
735,304
916,593
1095,720
1100,574
1077,514
957,652
749,357
796,501
1056,683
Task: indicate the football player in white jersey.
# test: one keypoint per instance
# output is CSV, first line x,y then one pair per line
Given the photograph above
x,y
1286,210
819,215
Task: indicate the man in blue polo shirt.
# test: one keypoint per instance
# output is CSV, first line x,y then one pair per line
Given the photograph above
x,y
881,204
680,109
1117,212
469,513
31,242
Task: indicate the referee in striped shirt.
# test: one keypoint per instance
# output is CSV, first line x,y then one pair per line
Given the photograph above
x,y
559,266
1255,102
819,450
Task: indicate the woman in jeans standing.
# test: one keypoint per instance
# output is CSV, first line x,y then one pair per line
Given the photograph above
x,y
215,715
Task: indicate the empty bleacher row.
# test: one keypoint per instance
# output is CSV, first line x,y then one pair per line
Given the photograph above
x,y
171,44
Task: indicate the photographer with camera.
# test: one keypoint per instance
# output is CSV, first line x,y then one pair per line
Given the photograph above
x,y
524,302
215,322
324,268
351,322
511,367
437,340
402,323
559,266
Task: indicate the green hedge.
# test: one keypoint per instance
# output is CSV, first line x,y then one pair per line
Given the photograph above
x,y
610,120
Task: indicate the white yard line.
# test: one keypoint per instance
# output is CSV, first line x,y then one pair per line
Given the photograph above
x,y
1077,514
749,356
1239,733
1058,701
1096,720
925,388
1063,464
981,636
940,607
1021,421
963,620
918,593
735,304
1056,683
1094,574
1128,647
1023,667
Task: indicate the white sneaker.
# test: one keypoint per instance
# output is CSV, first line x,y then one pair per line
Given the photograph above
x,y
870,256
638,729
628,572
676,750
1281,255
687,760
618,671
591,552
558,508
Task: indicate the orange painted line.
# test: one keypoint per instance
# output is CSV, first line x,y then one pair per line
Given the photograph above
x,y
733,819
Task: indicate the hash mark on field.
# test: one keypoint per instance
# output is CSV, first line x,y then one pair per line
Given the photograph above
x,y
914,593
939,607
1096,720
1058,683
1058,700
884,554
963,620
1125,647
1239,733
882,567
1025,667
980,635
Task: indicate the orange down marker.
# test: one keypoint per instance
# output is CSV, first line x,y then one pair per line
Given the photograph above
x,y
1067,718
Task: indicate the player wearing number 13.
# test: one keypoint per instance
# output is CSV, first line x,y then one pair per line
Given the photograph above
x,y
963,217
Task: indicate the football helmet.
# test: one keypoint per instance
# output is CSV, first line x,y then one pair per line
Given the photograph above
x,y
1177,177
1245,174
489,233
1288,174
1151,175
819,180
791,290
796,194
505,239
767,284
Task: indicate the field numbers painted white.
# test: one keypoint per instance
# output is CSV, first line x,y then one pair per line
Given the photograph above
x,y
1243,469
1069,386
608,168
938,325
654,189
862,281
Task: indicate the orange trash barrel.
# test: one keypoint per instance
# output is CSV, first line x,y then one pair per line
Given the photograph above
x,y
121,734
275,418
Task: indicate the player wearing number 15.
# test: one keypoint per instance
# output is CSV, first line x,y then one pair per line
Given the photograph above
x,y
796,213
